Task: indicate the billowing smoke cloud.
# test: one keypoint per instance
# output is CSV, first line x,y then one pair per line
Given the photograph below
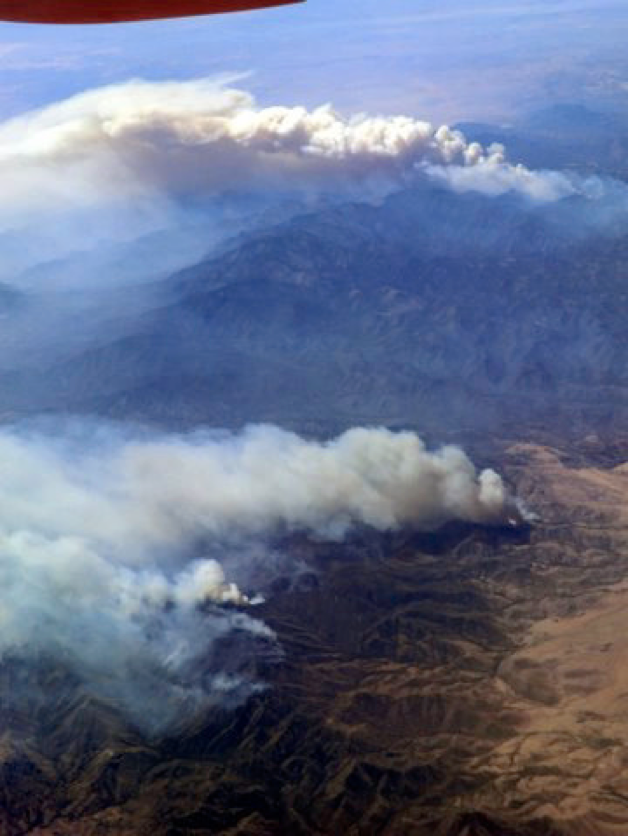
x,y
493,176
117,162
199,136
130,558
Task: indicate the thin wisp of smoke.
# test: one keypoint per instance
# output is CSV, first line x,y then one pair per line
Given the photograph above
x,y
108,549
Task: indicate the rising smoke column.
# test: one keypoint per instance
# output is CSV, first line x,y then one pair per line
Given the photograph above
x,y
117,554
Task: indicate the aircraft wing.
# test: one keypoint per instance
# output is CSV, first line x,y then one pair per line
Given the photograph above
x,y
111,11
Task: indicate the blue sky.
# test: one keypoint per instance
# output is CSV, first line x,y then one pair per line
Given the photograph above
x,y
428,58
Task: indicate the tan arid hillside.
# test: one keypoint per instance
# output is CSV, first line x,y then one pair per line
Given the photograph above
x,y
466,683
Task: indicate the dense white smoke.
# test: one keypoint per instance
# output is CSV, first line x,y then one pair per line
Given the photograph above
x,y
109,547
493,176
117,162
182,137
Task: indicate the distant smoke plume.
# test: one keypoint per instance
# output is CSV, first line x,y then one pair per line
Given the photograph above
x,y
118,554
120,161
182,137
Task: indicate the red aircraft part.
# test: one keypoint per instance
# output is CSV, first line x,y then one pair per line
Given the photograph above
x,y
111,11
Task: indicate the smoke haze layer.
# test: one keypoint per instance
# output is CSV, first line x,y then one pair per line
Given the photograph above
x,y
118,552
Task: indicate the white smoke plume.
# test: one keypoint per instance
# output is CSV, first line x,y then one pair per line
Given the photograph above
x,y
117,162
493,176
110,547
181,137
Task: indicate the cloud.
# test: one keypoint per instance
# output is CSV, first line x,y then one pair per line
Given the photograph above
x,y
130,557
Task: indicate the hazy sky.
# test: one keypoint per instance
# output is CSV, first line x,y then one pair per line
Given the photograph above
x,y
437,59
